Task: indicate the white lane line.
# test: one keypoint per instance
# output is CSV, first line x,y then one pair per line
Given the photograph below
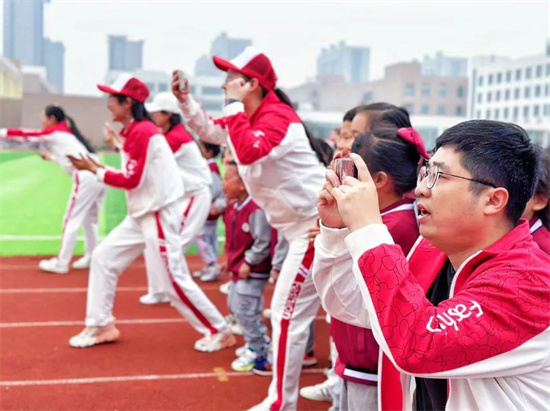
x,y
66,323
118,322
15,237
61,290
23,383
34,267
83,289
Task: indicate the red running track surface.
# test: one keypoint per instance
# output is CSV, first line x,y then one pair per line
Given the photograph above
x,y
152,367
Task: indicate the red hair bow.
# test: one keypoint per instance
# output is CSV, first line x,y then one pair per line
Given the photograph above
x,y
411,135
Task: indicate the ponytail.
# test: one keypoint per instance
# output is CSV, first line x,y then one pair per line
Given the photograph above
x,y
313,142
59,114
78,135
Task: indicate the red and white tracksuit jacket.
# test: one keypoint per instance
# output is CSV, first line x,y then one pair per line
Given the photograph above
x,y
489,339
145,159
280,170
358,351
60,140
284,176
540,233
194,169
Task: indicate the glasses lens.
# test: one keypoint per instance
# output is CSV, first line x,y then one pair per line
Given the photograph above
x,y
421,175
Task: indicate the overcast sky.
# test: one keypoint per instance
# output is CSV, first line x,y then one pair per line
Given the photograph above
x,y
292,34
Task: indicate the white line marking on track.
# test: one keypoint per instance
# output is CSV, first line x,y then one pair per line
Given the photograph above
x,y
153,377
118,322
209,287
66,323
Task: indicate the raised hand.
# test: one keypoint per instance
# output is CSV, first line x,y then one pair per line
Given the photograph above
x,y
111,137
181,95
84,163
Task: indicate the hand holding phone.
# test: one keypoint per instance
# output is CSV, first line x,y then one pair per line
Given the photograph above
x,y
180,86
344,167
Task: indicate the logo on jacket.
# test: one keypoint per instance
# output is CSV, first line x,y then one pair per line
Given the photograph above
x,y
246,227
453,316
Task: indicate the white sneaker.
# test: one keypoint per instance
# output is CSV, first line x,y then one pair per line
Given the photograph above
x,y
225,287
265,405
151,299
210,274
318,392
245,362
82,263
241,350
91,336
267,313
52,266
216,342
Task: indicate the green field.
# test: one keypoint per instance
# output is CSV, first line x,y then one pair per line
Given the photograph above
x,y
33,199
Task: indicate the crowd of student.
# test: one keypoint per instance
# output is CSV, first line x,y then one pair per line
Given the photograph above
x,y
433,268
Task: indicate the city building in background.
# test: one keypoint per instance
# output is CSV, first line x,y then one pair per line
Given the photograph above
x,y
350,62
224,47
444,66
403,85
514,90
24,41
124,54
11,79
54,59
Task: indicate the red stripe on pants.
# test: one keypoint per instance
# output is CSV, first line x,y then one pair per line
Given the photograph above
x,y
295,288
186,212
179,291
71,206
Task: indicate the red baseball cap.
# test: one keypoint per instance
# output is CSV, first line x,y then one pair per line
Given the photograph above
x,y
128,86
252,63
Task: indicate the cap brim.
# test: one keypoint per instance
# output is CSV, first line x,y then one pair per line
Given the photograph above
x,y
224,65
107,89
152,107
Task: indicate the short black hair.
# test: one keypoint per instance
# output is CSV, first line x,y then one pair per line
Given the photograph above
x,y
499,153
350,114
213,148
387,112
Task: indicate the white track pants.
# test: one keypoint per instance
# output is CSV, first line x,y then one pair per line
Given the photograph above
x,y
294,305
82,211
158,231
196,208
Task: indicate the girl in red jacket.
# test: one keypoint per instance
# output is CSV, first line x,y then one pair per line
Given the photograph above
x,y
280,165
392,156
60,137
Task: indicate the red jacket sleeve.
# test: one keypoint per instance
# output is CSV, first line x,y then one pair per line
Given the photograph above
x,y
22,133
495,312
252,143
136,154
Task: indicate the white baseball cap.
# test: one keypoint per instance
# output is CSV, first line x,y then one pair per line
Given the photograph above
x,y
163,102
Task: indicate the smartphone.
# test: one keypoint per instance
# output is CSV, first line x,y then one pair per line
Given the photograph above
x,y
182,80
344,167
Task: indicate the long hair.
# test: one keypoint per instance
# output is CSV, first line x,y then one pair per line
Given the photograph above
x,y
139,112
59,114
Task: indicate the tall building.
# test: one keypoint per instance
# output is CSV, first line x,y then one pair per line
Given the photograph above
x,y
125,55
24,31
351,63
444,66
54,60
224,47
514,90
24,39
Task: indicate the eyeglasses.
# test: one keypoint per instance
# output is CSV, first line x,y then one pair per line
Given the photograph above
x,y
432,173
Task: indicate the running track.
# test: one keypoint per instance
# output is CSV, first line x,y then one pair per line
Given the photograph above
x,y
152,367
